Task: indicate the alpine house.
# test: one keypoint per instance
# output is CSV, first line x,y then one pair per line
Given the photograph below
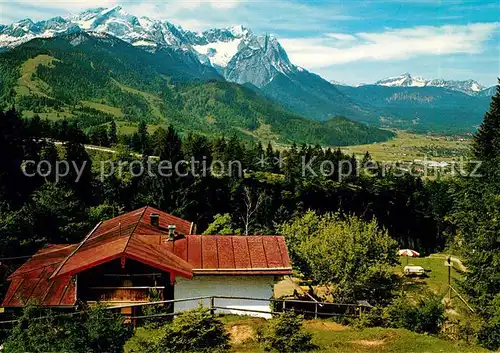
x,y
125,259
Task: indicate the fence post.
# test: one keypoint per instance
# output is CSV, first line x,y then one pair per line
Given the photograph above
x,y
315,310
212,305
284,304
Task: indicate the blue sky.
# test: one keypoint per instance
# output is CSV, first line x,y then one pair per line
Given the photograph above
x,y
350,41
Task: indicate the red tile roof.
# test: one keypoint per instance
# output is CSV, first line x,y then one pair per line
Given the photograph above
x,y
236,254
49,275
121,237
31,280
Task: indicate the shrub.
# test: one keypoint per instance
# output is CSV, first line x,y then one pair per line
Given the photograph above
x,y
489,334
285,334
430,315
426,316
105,331
459,330
371,318
151,310
42,330
194,331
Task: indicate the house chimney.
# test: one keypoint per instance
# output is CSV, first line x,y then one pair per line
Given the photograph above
x,y
171,232
155,220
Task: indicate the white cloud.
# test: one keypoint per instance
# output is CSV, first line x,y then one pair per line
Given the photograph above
x,y
393,44
224,4
341,36
191,14
14,10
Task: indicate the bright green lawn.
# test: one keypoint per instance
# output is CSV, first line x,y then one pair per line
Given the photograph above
x,y
436,279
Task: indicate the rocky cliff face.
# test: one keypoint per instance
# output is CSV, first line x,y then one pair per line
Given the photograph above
x,y
258,61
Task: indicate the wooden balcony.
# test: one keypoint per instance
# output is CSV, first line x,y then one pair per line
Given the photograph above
x,y
120,294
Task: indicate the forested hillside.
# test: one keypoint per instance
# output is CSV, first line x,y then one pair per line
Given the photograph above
x,y
97,79
310,95
422,108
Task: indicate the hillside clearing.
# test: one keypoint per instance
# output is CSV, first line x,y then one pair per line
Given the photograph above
x,y
117,112
154,101
28,84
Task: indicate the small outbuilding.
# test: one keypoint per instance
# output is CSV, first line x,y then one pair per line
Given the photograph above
x,y
147,255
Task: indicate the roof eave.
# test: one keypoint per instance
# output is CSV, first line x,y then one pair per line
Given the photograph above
x,y
245,271
181,272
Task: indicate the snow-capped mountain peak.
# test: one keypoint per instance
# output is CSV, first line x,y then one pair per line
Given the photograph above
x,y
239,31
470,87
218,46
236,52
467,86
404,80
338,83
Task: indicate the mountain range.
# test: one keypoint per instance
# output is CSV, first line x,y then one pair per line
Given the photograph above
x,y
261,64
469,87
231,51
96,78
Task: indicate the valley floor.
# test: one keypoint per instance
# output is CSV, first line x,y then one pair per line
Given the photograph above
x,y
408,146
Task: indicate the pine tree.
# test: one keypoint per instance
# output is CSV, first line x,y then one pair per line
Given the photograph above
x,y
476,215
292,167
486,145
13,141
34,126
112,134
142,139
167,145
367,158
80,182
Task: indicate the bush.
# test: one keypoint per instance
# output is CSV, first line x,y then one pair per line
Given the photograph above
x,y
426,316
159,309
459,330
489,334
43,330
371,318
105,331
285,334
194,331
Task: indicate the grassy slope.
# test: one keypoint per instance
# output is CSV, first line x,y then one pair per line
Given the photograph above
x,y
117,112
329,337
28,83
436,279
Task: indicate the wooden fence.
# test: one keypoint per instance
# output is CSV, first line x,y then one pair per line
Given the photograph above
x,y
310,309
